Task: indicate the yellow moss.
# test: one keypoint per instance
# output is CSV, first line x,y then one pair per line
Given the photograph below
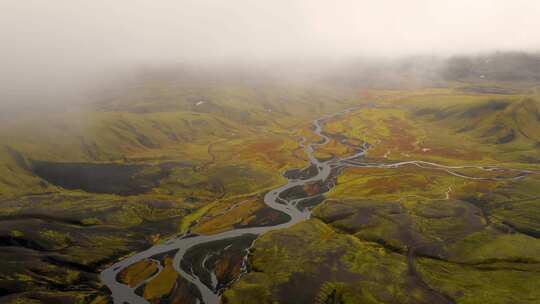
x,y
138,272
163,283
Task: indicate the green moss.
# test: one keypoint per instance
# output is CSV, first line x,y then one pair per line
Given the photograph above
x,y
91,221
326,264
16,233
189,219
469,285
489,245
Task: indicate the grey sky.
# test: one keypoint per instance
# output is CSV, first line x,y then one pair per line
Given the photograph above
x,y
44,43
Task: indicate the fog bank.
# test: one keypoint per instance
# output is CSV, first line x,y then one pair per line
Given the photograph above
x,y
51,50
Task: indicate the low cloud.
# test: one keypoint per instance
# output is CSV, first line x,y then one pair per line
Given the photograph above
x,y
48,47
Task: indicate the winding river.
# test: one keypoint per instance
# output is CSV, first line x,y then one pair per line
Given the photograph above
x,y
325,171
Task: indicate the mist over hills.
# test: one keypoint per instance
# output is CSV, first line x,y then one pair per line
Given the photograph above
x,y
500,66
284,151
379,72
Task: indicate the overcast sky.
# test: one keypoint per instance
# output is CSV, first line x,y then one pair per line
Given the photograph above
x,y
44,43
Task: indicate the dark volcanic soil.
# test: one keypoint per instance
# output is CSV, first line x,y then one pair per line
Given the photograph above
x,y
101,178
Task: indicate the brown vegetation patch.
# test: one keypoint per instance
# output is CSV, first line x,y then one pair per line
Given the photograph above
x,y
396,184
400,137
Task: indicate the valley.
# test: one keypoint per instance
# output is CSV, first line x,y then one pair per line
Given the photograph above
x,y
175,193
270,152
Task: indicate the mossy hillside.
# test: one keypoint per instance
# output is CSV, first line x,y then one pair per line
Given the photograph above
x,y
329,266
469,284
163,129
422,194
443,131
16,177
